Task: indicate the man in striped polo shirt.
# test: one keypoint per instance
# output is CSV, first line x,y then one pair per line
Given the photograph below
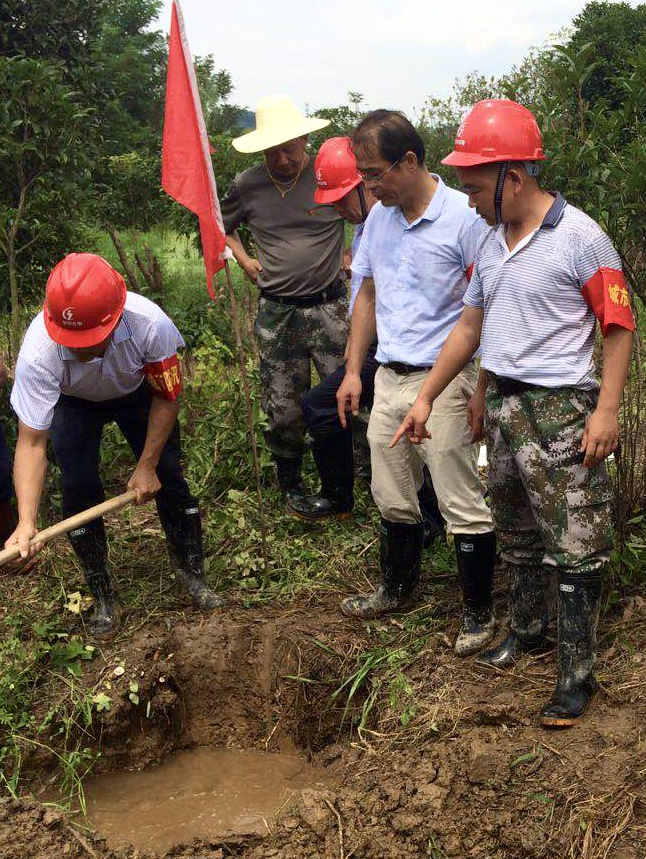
x,y
544,274
95,354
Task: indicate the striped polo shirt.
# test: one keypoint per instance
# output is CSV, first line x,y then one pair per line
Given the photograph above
x,y
537,326
45,369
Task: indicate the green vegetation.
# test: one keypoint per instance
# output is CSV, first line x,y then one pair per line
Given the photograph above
x,y
80,135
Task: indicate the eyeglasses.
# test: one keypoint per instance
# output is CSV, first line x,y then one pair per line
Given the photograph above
x,y
373,176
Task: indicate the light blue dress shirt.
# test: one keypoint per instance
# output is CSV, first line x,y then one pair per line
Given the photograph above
x,y
356,279
420,272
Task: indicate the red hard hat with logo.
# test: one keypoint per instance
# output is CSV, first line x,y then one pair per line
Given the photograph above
x,y
336,170
83,300
496,130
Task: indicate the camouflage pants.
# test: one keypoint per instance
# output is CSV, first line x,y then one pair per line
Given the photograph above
x,y
289,338
547,508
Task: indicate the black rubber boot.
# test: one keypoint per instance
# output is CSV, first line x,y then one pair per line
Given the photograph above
x,y
297,502
401,554
528,606
434,524
579,598
91,547
476,556
183,529
334,459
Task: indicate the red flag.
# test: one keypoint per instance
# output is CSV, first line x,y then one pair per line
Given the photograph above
x,y
187,170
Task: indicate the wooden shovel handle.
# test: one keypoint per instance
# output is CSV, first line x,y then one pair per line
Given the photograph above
x,y
71,523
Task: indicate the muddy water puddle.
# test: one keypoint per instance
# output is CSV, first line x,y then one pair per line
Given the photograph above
x,y
203,793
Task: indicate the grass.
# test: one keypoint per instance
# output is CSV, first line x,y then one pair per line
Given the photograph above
x,y
382,688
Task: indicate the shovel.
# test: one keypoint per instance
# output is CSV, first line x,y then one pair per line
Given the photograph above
x,y
72,522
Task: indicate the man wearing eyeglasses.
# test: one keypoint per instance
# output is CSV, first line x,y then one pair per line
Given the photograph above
x,y
415,259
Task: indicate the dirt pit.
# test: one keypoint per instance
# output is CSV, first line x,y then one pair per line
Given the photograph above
x,y
449,760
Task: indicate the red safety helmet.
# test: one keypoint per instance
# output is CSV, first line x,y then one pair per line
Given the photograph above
x,y
496,130
335,170
83,300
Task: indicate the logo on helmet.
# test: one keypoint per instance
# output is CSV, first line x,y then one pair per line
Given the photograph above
x,y
67,319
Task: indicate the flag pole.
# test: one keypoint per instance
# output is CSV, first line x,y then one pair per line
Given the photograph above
x,y
235,316
188,177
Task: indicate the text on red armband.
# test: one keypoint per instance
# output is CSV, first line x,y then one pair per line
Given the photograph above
x,y
165,377
606,293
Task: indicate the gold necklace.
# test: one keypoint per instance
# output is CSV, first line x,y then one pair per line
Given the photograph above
x,y
291,183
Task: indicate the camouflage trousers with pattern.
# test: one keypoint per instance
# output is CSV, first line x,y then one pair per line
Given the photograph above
x,y
289,339
547,508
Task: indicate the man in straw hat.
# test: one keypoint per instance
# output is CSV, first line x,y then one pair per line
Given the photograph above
x,y
302,311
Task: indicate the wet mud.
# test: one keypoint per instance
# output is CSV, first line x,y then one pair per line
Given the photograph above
x,y
470,774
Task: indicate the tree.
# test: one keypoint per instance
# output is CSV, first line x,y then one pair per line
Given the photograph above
x,y
43,166
82,85
614,31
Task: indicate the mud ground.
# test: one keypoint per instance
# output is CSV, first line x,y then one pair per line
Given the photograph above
x,y
470,774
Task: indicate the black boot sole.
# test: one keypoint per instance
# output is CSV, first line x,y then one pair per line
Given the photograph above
x,y
329,517
565,720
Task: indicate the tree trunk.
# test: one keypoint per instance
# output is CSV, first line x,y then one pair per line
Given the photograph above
x,y
129,270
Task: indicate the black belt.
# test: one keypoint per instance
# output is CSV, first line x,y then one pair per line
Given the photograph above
x,y
405,369
508,387
335,290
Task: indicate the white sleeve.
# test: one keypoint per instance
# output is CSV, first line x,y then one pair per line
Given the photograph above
x,y
34,394
163,340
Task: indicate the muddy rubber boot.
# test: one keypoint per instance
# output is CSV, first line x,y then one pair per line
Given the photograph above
x,y
528,606
579,598
476,557
91,547
334,460
401,555
434,524
183,529
297,501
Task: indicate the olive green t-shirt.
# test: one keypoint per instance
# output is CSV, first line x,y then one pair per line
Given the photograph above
x,y
299,245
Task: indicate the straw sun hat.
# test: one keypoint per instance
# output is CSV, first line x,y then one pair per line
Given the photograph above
x,y
277,121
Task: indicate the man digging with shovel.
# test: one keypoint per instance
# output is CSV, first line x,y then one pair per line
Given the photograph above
x,y
95,354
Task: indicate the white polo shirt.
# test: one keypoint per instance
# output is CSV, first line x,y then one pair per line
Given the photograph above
x,y
45,369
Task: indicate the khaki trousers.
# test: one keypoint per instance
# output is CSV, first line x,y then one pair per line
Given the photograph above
x,y
449,454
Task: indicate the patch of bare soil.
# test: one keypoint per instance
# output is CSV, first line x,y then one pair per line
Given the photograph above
x,y
471,775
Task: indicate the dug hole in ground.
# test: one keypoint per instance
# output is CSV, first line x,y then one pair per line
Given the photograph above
x,y
414,753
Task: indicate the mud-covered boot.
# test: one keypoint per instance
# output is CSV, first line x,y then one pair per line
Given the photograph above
x,y
401,553
579,597
334,460
183,529
91,547
476,557
434,524
297,501
103,623
528,609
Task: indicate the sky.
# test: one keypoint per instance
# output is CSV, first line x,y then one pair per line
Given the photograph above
x,y
395,53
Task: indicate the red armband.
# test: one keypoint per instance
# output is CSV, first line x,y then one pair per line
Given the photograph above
x,y
469,272
607,296
165,377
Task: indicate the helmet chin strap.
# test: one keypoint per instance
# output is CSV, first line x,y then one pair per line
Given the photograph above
x,y
502,175
362,202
